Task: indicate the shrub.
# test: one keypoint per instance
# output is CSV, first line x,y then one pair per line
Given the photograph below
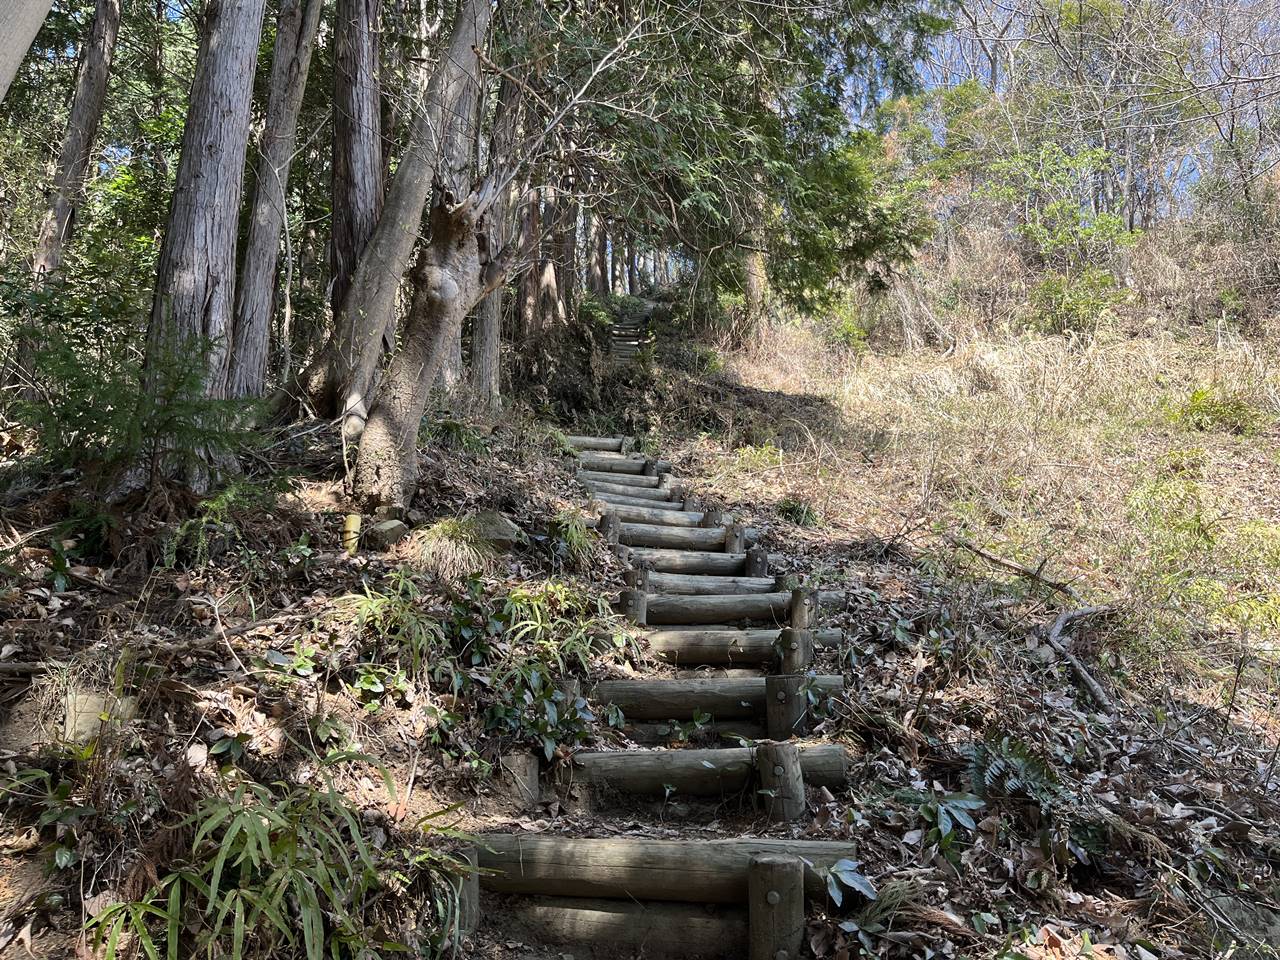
x,y
1215,410
800,512
98,408
1065,304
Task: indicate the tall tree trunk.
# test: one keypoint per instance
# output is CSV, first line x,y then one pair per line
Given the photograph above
x,y
566,249
633,272
486,352
449,279
340,381
446,283
255,295
531,277
195,281
598,274
20,21
357,140
77,143
486,339
550,298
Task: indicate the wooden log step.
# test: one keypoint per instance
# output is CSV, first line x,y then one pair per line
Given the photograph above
x,y
725,645
684,699
732,731
607,444
653,515
650,928
686,608
692,871
702,773
686,583
689,561
618,479
674,538
643,498
612,463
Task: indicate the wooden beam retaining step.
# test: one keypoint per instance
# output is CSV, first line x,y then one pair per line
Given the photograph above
x,y
652,928
652,499
696,584
693,871
726,645
684,608
683,699
671,538
618,479
703,773
655,494
609,444
652,515
688,561
612,463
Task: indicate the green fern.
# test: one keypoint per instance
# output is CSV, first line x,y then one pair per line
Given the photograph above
x,y
1007,767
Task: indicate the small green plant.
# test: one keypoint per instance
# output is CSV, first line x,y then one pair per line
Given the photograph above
x,y
570,540
800,512
395,621
1006,767
285,870
1212,409
97,407
844,875
452,435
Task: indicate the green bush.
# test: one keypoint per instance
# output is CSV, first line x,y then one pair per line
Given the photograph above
x,y
1215,410
1066,304
101,409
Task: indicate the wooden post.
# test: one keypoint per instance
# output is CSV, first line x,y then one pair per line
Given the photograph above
x,y
666,481
637,579
634,606
785,705
712,517
650,467
468,887
785,581
735,538
757,562
692,502
775,898
804,601
797,649
521,773
781,780
609,526
351,533
628,445
623,553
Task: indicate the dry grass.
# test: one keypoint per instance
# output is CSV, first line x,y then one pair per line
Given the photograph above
x,y
1076,455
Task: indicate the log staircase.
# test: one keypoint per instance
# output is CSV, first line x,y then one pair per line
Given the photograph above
x,y
629,336
701,592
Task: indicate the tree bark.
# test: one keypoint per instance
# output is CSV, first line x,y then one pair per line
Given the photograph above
x,y
357,140
550,298
77,143
449,278
195,281
486,352
633,274
530,285
447,282
340,381
598,271
296,29
20,21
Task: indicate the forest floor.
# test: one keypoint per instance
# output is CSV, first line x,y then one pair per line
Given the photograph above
x,y
998,807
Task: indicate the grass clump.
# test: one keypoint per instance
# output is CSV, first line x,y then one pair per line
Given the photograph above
x,y
798,511
288,871
453,549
